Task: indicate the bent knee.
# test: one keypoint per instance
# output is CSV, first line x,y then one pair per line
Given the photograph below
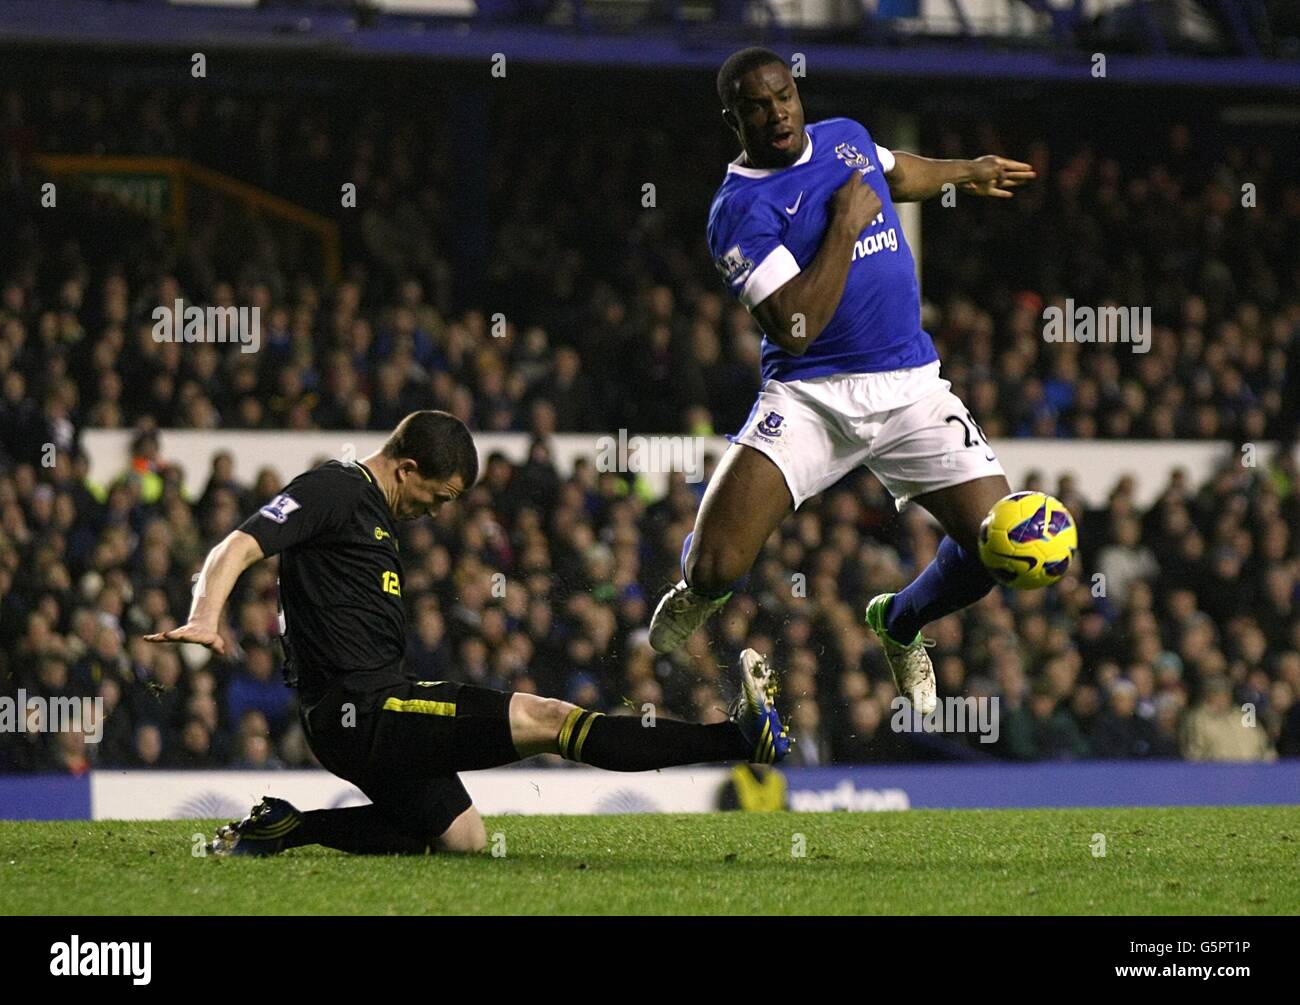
x,y
712,569
466,835
469,844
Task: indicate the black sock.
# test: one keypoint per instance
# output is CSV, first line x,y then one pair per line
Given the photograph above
x,y
362,830
622,743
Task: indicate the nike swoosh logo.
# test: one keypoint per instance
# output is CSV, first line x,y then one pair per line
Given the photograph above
x,y
795,208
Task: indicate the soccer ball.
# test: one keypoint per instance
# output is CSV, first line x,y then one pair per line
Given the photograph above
x,y
1028,540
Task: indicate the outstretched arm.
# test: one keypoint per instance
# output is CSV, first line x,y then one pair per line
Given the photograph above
x,y
221,569
915,178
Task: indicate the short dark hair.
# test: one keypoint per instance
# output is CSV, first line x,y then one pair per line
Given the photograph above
x,y
438,442
740,63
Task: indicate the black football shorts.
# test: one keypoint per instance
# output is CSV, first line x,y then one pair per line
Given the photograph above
x,y
402,741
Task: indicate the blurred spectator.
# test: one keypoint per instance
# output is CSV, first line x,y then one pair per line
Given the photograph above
x,y
1042,729
1217,730
1119,732
258,687
1125,561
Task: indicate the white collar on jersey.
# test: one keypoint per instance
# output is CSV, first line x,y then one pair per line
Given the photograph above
x,y
735,167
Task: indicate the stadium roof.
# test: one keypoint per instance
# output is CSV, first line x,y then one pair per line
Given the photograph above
x,y
1141,52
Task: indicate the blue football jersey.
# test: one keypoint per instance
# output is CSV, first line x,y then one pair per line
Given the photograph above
x,y
767,225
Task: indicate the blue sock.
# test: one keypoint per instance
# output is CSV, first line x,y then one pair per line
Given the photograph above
x,y
955,579
686,550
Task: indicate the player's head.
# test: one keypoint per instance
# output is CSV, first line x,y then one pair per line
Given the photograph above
x,y
761,103
433,461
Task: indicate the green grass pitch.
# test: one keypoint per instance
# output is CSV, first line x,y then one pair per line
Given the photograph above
x,y
1156,861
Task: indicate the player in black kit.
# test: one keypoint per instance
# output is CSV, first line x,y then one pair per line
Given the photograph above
x,y
401,740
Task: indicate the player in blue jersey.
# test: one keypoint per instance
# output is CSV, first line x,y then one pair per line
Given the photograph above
x,y
805,234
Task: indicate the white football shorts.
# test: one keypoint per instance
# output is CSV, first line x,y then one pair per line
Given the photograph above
x,y
906,426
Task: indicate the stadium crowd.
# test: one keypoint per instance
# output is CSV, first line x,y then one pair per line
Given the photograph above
x,y
538,583
604,313
613,319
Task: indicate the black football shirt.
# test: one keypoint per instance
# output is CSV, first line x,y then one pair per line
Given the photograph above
x,y
340,574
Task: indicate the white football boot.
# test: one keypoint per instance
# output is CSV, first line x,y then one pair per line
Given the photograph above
x,y
754,710
910,664
680,612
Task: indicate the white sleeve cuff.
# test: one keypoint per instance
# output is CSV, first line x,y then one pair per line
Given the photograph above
x,y
777,269
886,158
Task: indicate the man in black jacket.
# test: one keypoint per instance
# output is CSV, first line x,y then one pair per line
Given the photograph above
x,y
400,740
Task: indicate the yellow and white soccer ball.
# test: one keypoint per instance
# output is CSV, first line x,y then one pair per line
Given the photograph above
x,y
1028,540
